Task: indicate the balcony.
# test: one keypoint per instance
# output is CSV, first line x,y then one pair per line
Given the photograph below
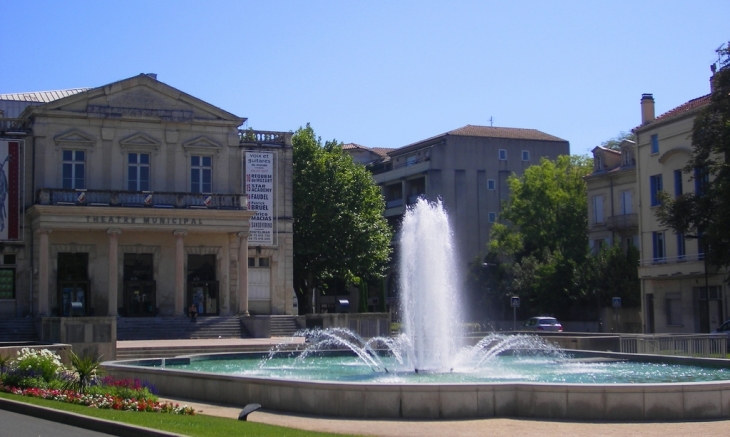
x,y
14,127
139,199
623,222
260,137
393,203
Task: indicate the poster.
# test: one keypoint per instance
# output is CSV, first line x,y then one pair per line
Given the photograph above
x,y
9,190
260,195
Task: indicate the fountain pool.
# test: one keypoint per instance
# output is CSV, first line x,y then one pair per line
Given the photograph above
x,y
428,374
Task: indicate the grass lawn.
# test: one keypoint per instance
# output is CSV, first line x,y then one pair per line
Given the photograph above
x,y
198,425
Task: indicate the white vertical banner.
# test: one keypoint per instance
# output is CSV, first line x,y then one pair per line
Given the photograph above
x,y
260,195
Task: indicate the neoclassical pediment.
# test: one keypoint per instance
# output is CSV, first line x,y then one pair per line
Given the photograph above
x,y
201,145
74,138
139,141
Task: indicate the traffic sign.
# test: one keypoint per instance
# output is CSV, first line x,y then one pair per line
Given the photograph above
x,y
515,302
617,302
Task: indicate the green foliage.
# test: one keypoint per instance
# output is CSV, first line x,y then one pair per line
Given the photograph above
x,y
38,363
85,370
339,229
705,214
613,272
615,142
537,249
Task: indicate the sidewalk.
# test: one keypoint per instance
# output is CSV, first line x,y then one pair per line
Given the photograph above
x,y
466,428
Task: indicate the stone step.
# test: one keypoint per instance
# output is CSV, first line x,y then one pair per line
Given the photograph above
x,y
169,352
166,328
18,329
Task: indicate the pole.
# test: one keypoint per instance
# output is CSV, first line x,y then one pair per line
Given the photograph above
x,y
514,318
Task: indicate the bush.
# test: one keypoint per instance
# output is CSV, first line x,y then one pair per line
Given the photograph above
x,y
43,363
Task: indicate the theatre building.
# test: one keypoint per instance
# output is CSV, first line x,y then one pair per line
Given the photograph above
x,y
135,199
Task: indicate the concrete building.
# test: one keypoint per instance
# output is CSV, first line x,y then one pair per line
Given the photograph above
x,y
612,200
468,169
680,293
136,199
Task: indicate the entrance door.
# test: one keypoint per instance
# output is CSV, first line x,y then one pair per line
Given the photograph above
x,y
73,284
139,285
202,285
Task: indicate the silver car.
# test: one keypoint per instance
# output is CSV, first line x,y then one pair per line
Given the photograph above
x,y
542,324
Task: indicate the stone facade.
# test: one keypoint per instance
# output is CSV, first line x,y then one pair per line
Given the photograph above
x,y
135,200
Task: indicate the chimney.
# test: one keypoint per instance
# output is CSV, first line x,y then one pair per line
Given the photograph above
x,y
647,108
152,75
713,68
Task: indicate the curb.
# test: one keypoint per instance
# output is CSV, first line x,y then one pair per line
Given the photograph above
x,y
81,421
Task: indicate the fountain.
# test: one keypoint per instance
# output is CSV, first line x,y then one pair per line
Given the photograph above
x,y
426,373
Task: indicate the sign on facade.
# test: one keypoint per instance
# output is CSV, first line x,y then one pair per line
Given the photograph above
x,y
260,194
9,190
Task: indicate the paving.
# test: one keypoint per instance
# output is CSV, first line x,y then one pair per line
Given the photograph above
x,y
407,428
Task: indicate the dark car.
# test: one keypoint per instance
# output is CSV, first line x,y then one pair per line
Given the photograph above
x,y
542,324
724,329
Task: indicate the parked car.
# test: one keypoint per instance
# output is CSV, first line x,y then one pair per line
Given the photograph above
x,y
724,329
542,324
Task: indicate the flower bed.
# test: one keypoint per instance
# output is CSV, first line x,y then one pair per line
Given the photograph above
x,y
40,374
101,401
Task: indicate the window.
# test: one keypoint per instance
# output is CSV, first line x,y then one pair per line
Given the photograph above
x,y
201,174
258,262
138,172
655,185
626,202
680,246
701,180
677,182
598,209
492,217
491,185
628,156
654,144
674,308
73,169
597,163
658,246
525,155
502,154
411,160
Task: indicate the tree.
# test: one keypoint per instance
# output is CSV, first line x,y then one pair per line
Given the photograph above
x,y
339,229
703,213
540,242
615,142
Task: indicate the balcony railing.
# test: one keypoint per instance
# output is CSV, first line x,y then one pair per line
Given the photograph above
x,y
672,259
393,203
140,199
13,126
250,136
624,221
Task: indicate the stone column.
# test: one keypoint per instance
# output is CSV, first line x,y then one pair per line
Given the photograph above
x,y
179,271
113,271
243,273
43,262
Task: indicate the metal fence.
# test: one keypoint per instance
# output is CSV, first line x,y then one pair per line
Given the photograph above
x,y
690,345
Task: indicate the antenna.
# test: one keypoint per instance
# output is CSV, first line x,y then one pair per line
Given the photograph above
x,y
491,121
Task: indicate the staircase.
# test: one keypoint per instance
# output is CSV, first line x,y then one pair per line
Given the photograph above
x,y
283,326
159,351
174,328
18,330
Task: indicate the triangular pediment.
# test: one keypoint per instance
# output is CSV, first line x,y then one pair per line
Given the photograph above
x,y
74,138
140,141
140,97
202,144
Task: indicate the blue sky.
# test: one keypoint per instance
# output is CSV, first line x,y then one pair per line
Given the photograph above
x,y
382,73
